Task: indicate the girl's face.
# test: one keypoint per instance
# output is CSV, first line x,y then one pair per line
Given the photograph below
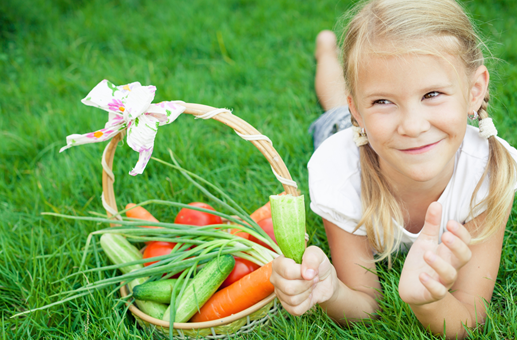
x,y
414,109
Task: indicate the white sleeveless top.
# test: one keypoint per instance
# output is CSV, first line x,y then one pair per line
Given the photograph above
x,y
335,182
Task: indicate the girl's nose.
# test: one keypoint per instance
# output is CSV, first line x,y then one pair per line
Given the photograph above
x,y
413,123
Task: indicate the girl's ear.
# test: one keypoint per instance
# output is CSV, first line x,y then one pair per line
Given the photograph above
x,y
353,111
479,88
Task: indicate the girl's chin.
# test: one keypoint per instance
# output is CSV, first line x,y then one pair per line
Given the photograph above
x,y
429,173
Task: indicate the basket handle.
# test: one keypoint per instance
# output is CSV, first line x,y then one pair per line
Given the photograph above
x,y
240,126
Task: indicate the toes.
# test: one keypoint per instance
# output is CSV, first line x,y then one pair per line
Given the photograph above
x,y
326,38
326,42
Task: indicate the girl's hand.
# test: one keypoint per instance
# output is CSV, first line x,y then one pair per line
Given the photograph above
x,y
299,287
430,268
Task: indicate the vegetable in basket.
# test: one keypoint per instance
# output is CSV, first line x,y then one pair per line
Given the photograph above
x,y
195,217
239,296
157,291
157,248
140,213
201,287
267,225
242,268
120,251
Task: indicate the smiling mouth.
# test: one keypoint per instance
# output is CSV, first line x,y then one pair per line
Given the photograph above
x,y
420,149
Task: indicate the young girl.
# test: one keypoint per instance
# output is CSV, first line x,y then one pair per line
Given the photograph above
x,y
410,172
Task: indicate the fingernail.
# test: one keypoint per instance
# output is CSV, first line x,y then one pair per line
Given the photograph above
x,y
453,227
425,277
309,273
431,257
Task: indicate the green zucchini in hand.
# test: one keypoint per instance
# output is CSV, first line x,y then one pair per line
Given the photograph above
x,y
288,214
202,287
120,251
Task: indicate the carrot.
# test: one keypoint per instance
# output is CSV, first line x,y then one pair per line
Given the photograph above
x,y
261,213
240,233
141,214
238,296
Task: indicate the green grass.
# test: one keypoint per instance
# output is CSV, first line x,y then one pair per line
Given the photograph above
x,y
255,57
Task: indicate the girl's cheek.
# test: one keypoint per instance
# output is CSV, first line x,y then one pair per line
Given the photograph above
x,y
451,117
380,127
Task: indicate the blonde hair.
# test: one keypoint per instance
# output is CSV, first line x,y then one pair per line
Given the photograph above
x,y
397,27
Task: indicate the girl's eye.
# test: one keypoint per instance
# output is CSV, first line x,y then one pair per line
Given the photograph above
x,y
430,95
381,102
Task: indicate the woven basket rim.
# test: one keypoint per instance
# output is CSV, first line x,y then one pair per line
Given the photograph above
x,y
196,325
237,124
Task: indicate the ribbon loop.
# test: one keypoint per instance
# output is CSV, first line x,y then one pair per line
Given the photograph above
x,y
130,108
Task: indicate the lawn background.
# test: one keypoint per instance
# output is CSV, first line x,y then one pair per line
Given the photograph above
x,y
254,57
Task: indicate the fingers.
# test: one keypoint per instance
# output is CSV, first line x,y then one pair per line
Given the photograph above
x,y
287,268
435,288
288,281
292,306
459,230
314,264
433,218
447,274
295,300
293,291
294,283
457,240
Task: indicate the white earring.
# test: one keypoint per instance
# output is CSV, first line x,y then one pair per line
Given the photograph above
x,y
360,137
474,115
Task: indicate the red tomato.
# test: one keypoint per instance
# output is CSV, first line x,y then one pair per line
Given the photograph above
x,y
157,248
266,225
242,268
199,218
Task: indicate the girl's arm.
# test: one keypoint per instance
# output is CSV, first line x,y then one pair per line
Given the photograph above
x,y
346,289
359,285
470,285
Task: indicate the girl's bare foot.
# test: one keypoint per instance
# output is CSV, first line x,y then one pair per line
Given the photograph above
x,y
326,42
329,82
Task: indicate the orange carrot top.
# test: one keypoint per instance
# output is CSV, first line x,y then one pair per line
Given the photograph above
x,y
141,214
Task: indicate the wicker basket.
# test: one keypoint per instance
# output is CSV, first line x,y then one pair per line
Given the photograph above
x,y
243,321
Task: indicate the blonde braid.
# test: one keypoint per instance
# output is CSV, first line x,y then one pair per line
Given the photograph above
x,y
483,113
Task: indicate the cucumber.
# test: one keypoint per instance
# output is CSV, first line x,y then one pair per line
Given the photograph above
x,y
157,291
202,287
151,308
120,251
288,214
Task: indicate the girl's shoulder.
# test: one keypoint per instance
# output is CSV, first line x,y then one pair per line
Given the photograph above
x,y
335,181
471,161
336,156
476,148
